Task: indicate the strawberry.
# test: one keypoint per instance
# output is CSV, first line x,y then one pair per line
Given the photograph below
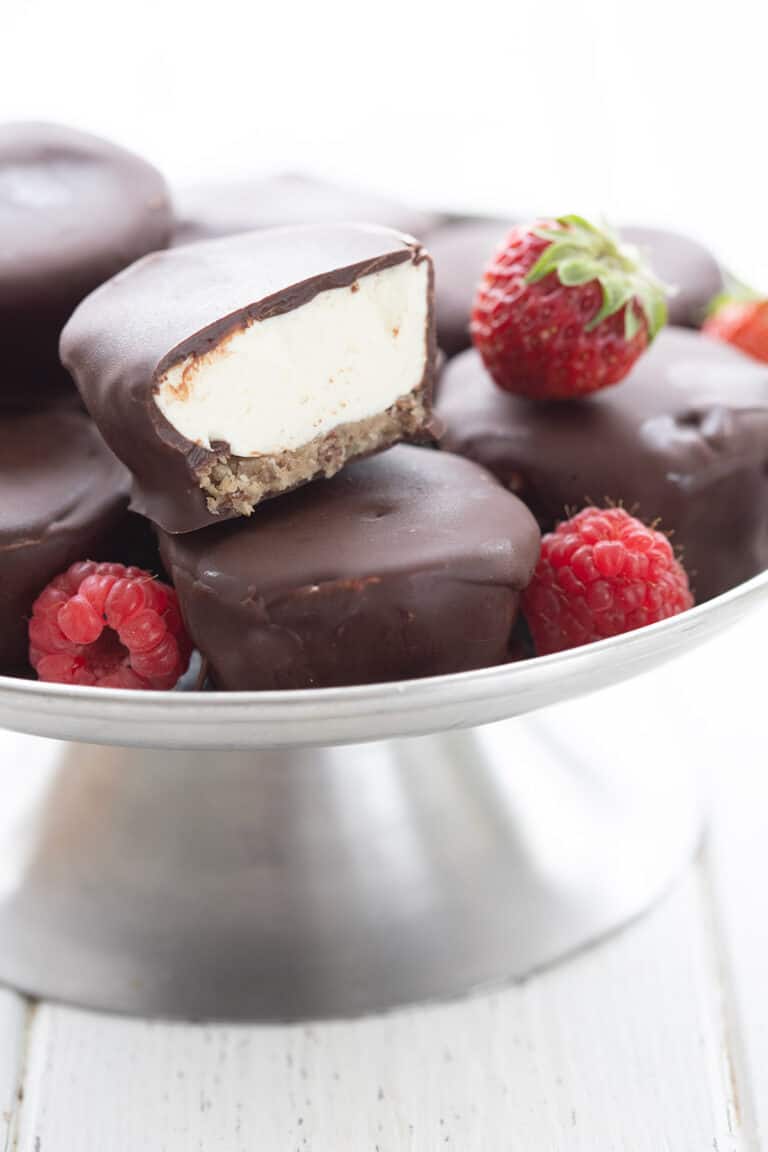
x,y
564,309
742,320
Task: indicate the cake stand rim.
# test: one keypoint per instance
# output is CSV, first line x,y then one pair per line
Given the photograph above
x,y
405,695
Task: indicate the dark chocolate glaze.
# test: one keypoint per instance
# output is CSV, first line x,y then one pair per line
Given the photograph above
x,y
685,265
221,209
683,439
461,250
183,302
407,564
63,497
74,210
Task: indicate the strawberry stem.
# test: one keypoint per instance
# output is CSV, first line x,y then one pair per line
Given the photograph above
x,y
579,252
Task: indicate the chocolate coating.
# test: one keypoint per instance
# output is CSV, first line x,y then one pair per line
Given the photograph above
x,y
63,497
683,264
461,250
222,209
74,210
683,439
183,302
407,564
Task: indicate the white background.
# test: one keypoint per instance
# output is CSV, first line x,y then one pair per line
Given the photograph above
x,y
652,111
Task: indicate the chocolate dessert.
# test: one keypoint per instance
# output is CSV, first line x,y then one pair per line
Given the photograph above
x,y
460,252
63,497
264,390
221,209
408,564
682,441
74,210
227,372
687,266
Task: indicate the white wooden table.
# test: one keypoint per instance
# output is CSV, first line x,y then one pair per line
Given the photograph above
x,y
656,1040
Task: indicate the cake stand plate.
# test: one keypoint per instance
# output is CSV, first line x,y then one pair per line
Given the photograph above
x,y
311,854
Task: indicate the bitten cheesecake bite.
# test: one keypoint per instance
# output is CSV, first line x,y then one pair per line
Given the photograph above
x,y
408,564
683,440
286,199
227,372
63,497
74,210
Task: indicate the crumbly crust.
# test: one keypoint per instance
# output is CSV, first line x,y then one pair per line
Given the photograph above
x,y
236,484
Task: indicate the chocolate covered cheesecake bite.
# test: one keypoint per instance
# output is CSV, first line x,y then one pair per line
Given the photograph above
x,y
286,199
686,265
228,372
408,564
63,498
460,252
683,440
74,210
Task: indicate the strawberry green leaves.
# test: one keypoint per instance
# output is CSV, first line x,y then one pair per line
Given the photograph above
x,y
579,252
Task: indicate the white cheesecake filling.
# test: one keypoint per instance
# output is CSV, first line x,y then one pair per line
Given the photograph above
x,y
348,354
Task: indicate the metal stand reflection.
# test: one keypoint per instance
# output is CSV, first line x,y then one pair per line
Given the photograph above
x,y
331,881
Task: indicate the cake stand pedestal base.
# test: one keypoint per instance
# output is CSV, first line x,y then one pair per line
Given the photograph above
x,y
298,884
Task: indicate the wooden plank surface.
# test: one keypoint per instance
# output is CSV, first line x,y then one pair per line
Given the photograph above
x,y
624,1048
737,872
15,1016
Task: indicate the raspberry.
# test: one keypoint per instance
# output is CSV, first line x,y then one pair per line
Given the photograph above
x,y
601,573
564,309
108,626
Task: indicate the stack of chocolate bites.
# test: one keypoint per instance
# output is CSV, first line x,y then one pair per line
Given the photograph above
x,y
256,374
74,210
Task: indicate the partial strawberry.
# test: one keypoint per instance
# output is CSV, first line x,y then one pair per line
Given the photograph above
x,y
108,626
601,573
564,309
741,319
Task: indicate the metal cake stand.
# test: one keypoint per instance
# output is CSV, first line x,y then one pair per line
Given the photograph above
x,y
286,855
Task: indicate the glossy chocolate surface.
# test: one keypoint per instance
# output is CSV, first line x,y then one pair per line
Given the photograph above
x,y
221,209
63,497
406,564
74,210
183,302
684,439
687,266
460,252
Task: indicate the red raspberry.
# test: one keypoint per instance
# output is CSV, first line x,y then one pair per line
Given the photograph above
x,y
109,626
564,309
601,573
